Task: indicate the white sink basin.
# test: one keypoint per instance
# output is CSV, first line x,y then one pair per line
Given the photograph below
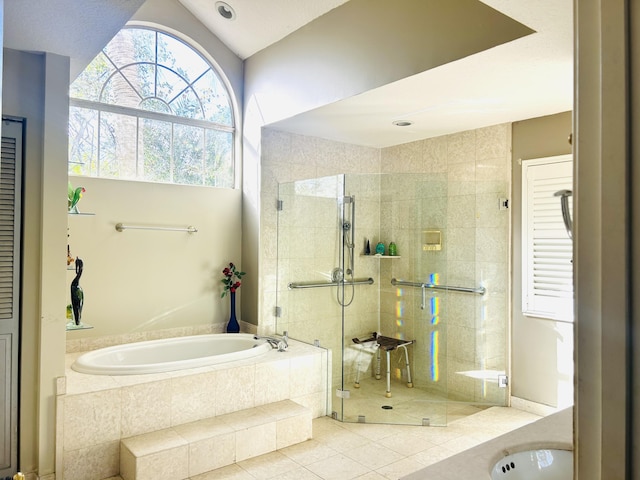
x,y
538,464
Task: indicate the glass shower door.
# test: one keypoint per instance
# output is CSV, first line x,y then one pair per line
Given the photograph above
x,y
309,262
464,269
400,377
405,348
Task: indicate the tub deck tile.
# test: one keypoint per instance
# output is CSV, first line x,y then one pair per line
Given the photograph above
x,y
198,447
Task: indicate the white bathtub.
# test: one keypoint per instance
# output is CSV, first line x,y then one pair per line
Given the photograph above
x,y
170,354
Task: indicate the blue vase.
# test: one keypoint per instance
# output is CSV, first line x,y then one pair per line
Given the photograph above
x,y
233,326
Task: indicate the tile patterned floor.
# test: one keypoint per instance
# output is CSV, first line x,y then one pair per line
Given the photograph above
x,y
406,406
344,451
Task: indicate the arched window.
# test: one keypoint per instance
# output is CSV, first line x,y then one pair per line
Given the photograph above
x,y
150,107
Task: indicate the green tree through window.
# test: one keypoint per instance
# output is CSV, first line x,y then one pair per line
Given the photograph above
x,y
149,107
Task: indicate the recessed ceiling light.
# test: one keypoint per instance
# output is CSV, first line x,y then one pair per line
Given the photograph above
x,y
225,10
402,123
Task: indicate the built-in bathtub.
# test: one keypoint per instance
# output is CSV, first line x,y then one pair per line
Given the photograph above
x,y
170,354
95,412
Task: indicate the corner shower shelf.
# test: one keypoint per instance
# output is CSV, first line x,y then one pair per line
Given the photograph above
x,y
81,214
380,256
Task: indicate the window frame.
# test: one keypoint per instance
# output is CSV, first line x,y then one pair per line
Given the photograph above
x,y
173,120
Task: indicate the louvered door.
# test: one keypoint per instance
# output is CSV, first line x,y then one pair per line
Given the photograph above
x,y
547,250
10,226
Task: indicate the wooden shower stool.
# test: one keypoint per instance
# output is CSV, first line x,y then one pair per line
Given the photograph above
x,y
387,344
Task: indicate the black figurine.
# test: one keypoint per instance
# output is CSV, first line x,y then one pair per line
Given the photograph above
x,y
77,295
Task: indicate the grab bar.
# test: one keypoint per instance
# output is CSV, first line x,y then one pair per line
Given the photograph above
x,y
476,290
292,285
121,228
424,286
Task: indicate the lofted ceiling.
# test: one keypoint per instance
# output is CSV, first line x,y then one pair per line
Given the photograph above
x,y
258,23
525,78
77,30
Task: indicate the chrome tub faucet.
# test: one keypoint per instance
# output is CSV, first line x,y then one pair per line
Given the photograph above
x,y
281,344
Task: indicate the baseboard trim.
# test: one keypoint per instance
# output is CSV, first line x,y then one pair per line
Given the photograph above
x,y
532,407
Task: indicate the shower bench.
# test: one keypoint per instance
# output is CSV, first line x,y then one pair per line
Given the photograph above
x,y
388,344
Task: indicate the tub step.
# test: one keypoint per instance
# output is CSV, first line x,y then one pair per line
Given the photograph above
x,y
183,451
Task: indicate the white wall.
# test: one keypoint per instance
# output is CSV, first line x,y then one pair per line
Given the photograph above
x,y
541,350
143,280
140,281
35,87
364,44
606,221
356,47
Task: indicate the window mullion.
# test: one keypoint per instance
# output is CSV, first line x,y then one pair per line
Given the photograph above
x,y
137,147
155,74
99,154
203,161
149,114
173,153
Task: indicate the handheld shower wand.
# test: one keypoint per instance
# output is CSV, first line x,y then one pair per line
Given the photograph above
x,y
348,217
566,214
348,244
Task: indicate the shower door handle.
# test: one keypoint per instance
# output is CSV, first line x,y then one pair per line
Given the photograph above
x,y
423,303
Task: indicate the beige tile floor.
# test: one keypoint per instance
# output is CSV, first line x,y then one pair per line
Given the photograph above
x,y
344,451
389,446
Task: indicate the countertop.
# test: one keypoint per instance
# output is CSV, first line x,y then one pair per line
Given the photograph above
x,y
554,431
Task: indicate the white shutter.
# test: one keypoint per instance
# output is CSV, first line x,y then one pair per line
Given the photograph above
x,y
8,232
547,250
10,215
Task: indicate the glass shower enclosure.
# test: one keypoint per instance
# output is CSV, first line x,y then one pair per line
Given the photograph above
x,y
417,336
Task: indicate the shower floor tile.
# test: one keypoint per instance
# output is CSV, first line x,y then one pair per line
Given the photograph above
x,y
406,406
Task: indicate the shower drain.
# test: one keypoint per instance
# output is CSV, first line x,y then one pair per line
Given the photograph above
x,y
387,407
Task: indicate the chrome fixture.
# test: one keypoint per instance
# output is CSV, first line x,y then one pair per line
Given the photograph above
x,y
335,283
425,286
347,219
566,214
281,344
120,227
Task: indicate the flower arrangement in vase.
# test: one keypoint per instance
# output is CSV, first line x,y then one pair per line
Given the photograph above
x,y
232,281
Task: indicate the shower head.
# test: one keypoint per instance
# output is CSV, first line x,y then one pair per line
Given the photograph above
x,y
563,193
564,205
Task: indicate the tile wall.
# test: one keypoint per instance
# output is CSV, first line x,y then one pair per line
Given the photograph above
x,y
455,187
452,184
309,244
